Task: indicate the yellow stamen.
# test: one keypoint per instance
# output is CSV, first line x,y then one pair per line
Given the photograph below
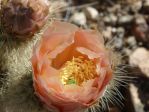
x,y
77,71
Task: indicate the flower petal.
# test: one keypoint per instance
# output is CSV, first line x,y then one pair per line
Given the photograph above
x,y
56,35
89,39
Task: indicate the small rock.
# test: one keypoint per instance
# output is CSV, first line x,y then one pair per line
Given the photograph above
x,y
138,106
115,8
125,19
131,41
140,55
140,58
141,30
127,51
136,6
107,33
110,19
79,18
139,19
145,67
114,30
120,32
146,5
118,43
91,13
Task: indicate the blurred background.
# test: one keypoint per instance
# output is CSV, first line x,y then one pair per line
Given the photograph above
x,y
124,23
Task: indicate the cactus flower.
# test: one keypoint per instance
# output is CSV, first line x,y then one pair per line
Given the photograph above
x,y
71,68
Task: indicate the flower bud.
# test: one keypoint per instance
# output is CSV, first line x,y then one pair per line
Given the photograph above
x,y
22,18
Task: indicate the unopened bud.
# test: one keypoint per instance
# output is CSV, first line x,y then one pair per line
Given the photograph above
x,y
22,18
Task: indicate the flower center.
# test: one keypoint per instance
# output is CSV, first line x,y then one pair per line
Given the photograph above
x,y
77,71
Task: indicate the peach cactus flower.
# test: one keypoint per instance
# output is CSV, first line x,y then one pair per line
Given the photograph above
x,y
71,68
